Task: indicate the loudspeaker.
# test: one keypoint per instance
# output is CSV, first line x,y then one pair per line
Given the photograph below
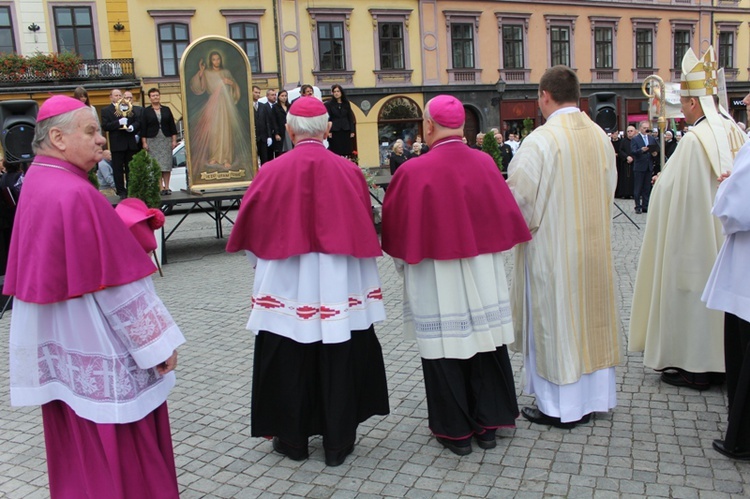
x,y
603,110
18,120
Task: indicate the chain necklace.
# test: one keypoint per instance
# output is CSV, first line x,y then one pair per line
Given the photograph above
x,y
47,165
447,142
309,141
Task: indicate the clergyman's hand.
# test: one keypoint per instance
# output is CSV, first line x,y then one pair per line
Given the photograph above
x,y
168,365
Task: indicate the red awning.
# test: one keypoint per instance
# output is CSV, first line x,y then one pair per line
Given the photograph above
x,y
637,118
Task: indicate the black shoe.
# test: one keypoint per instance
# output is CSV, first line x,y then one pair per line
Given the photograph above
x,y
457,447
684,378
645,210
638,211
536,416
721,449
486,440
293,453
337,458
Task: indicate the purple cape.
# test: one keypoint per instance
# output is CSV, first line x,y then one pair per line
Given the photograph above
x,y
449,204
67,239
307,201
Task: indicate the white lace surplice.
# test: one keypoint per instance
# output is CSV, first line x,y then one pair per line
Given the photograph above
x,y
457,308
96,353
315,297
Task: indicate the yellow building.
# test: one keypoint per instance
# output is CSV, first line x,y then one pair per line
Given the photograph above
x,y
390,58
87,28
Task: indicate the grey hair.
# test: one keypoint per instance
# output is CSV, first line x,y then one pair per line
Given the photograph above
x,y
308,127
397,143
65,122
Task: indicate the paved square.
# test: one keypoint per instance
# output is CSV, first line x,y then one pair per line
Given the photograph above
x,y
656,443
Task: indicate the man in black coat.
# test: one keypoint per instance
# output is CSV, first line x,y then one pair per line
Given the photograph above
x,y
122,130
643,147
263,131
624,189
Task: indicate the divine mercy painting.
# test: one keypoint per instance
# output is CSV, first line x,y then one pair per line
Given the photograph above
x,y
215,76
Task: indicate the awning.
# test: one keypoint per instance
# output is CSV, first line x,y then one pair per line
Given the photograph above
x,y
637,118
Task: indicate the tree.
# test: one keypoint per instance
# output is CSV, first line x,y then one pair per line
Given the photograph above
x,y
93,178
144,179
528,126
490,146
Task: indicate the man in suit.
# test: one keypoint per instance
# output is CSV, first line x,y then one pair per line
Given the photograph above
x,y
643,148
122,131
262,126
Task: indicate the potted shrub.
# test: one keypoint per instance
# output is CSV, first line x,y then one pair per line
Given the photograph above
x,y
144,178
490,146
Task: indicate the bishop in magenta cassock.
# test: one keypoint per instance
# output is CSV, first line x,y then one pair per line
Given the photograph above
x,y
90,341
447,218
306,225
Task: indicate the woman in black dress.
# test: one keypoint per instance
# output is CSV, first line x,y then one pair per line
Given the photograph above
x,y
342,122
281,141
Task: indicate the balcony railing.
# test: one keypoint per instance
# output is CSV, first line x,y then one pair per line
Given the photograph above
x,y
511,76
599,75
466,75
88,70
640,74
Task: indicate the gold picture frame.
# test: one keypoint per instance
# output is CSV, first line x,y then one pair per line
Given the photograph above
x,y
216,81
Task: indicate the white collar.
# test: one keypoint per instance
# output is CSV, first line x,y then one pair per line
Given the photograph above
x,y
564,110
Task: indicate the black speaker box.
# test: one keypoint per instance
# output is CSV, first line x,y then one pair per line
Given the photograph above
x,y
18,120
603,109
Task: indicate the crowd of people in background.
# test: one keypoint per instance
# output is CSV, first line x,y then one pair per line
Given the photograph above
x,y
270,116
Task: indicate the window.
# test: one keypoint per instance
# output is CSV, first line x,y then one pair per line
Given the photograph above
x,y
462,28
245,29
603,48
173,37
7,39
462,45
391,37
173,40
399,118
513,47
331,46
559,46
644,47
681,46
560,31
726,49
74,31
513,33
246,36
726,41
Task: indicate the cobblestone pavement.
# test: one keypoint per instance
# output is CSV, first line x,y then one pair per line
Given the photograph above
x,y
656,443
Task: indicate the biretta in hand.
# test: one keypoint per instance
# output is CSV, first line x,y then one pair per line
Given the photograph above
x,y
308,107
447,111
57,105
141,220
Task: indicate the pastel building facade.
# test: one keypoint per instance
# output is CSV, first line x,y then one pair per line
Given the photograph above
x,y
391,57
